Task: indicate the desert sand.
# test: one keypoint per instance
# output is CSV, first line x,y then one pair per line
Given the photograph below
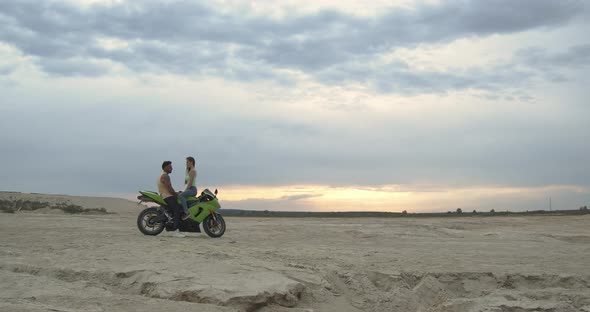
x,y
61,262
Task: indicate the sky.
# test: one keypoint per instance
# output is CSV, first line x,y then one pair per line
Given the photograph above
x,y
301,105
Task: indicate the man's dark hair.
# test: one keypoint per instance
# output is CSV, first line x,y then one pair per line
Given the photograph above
x,y
166,163
192,160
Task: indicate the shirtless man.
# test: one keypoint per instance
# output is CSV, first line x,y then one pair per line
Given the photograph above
x,y
167,192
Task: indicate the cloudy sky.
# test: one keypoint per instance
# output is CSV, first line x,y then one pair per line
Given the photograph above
x,y
301,105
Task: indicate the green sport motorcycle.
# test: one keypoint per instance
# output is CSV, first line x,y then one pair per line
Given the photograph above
x,y
202,210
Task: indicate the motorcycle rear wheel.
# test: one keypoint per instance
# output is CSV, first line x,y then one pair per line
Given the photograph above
x,y
146,224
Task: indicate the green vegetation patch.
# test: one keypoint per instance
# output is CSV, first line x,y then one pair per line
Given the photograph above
x,y
12,206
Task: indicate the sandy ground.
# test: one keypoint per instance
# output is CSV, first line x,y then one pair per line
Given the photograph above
x,y
58,262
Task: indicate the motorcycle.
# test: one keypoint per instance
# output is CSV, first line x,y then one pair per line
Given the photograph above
x,y
201,210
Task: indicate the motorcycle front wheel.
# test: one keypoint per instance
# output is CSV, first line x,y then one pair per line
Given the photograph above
x,y
147,222
214,225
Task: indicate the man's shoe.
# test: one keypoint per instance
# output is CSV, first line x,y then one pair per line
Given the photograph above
x,y
178,234
185,216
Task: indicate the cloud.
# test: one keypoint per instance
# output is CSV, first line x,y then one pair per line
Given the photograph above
x,y
576,56
300,197
6,70
523,69
188,38
74,67
329,38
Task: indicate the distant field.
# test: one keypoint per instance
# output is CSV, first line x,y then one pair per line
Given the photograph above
x,y
361,214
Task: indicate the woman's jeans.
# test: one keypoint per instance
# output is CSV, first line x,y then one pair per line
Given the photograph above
x,y
190,192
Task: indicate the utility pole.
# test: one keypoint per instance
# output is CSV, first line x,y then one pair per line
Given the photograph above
x,y
549,203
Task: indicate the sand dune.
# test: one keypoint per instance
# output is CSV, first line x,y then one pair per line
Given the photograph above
x,y
114,205
102,263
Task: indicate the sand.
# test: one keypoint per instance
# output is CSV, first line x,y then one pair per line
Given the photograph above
x,y
61,262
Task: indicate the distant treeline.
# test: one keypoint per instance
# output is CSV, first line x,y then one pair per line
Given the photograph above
x,y
12,206
363,214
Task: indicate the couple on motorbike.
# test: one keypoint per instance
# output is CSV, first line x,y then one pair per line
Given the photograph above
x,y
170,196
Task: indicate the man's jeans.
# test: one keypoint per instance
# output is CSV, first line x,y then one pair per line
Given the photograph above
x,y
190,192
173,205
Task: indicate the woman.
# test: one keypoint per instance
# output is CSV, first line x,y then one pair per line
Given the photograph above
x,y
191,185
